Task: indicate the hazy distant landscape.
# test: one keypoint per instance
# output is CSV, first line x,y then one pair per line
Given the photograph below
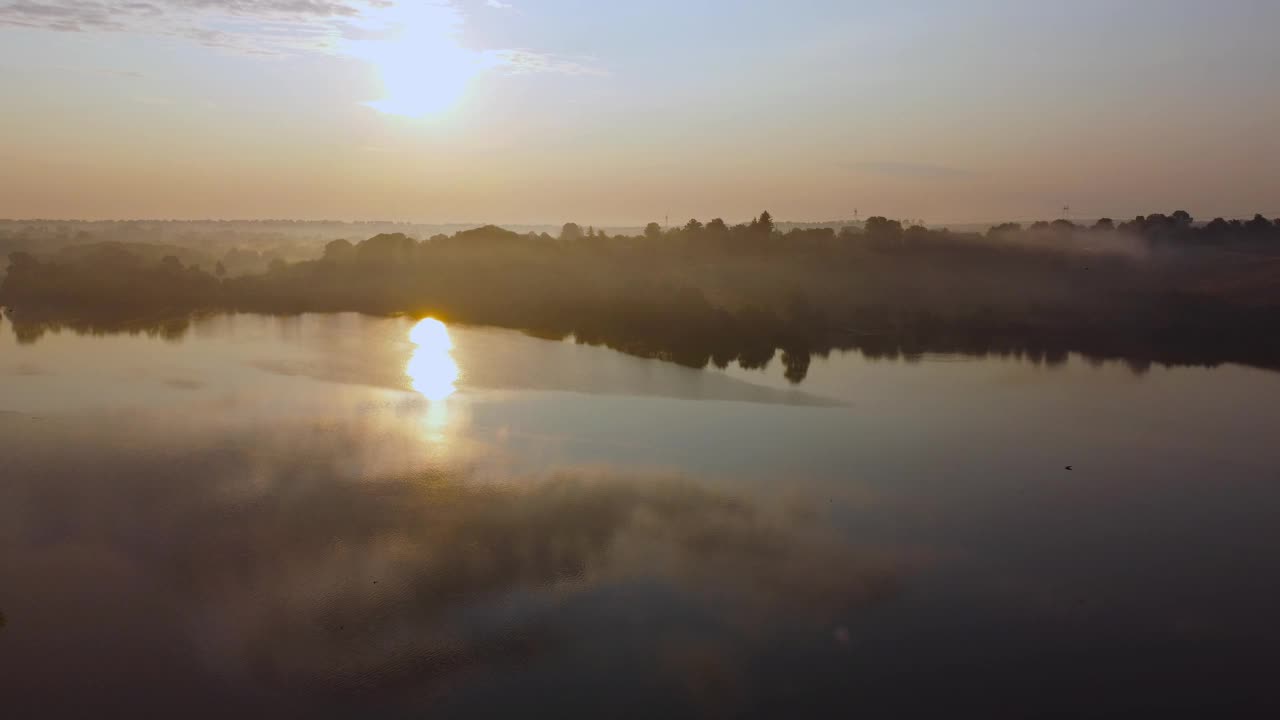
x,y
1157,288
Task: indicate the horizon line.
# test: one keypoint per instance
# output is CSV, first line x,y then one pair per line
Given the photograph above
x,y
627,225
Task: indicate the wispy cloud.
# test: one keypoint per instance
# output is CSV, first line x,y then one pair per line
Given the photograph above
x,y
99,71
528,61
254,26
275,27
170,16
414,46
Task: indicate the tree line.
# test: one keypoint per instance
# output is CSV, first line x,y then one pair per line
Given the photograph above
x,y
1154,289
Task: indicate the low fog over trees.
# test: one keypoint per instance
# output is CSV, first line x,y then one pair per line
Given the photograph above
x,y
1160,288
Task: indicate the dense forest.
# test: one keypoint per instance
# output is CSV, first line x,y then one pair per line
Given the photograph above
x,y
1157,288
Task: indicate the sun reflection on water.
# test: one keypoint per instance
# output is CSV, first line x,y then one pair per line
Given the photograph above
x,y
432,370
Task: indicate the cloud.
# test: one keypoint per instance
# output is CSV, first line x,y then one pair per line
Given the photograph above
x,y
99,71
250,26
415,47
77,16
528,61
62,16
278,27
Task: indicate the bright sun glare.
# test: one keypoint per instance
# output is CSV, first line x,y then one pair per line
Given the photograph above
x,y
415,50
431,369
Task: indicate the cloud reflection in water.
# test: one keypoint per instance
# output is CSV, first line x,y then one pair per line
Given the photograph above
x,y
315,584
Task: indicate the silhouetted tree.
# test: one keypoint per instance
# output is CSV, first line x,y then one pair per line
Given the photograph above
x,y
916,233
1217,227
1004,230
763,224
881,229
386,249
653,231
339,251
570,233
1258,225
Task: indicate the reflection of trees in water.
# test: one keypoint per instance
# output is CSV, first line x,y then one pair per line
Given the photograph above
x,y
29,329
908,342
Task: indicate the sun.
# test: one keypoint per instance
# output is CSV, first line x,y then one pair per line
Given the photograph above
x,y
422,68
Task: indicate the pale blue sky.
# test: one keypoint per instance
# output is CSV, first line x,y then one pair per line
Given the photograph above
x,y
608,112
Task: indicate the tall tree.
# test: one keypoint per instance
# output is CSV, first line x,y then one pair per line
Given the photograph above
x,y
571,232
764,223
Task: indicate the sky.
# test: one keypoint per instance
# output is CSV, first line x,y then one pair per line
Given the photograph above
x,y
612,113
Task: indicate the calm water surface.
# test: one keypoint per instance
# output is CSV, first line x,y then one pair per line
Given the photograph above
x,y
340,516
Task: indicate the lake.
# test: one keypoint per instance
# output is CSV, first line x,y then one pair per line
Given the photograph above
x,y
347,516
